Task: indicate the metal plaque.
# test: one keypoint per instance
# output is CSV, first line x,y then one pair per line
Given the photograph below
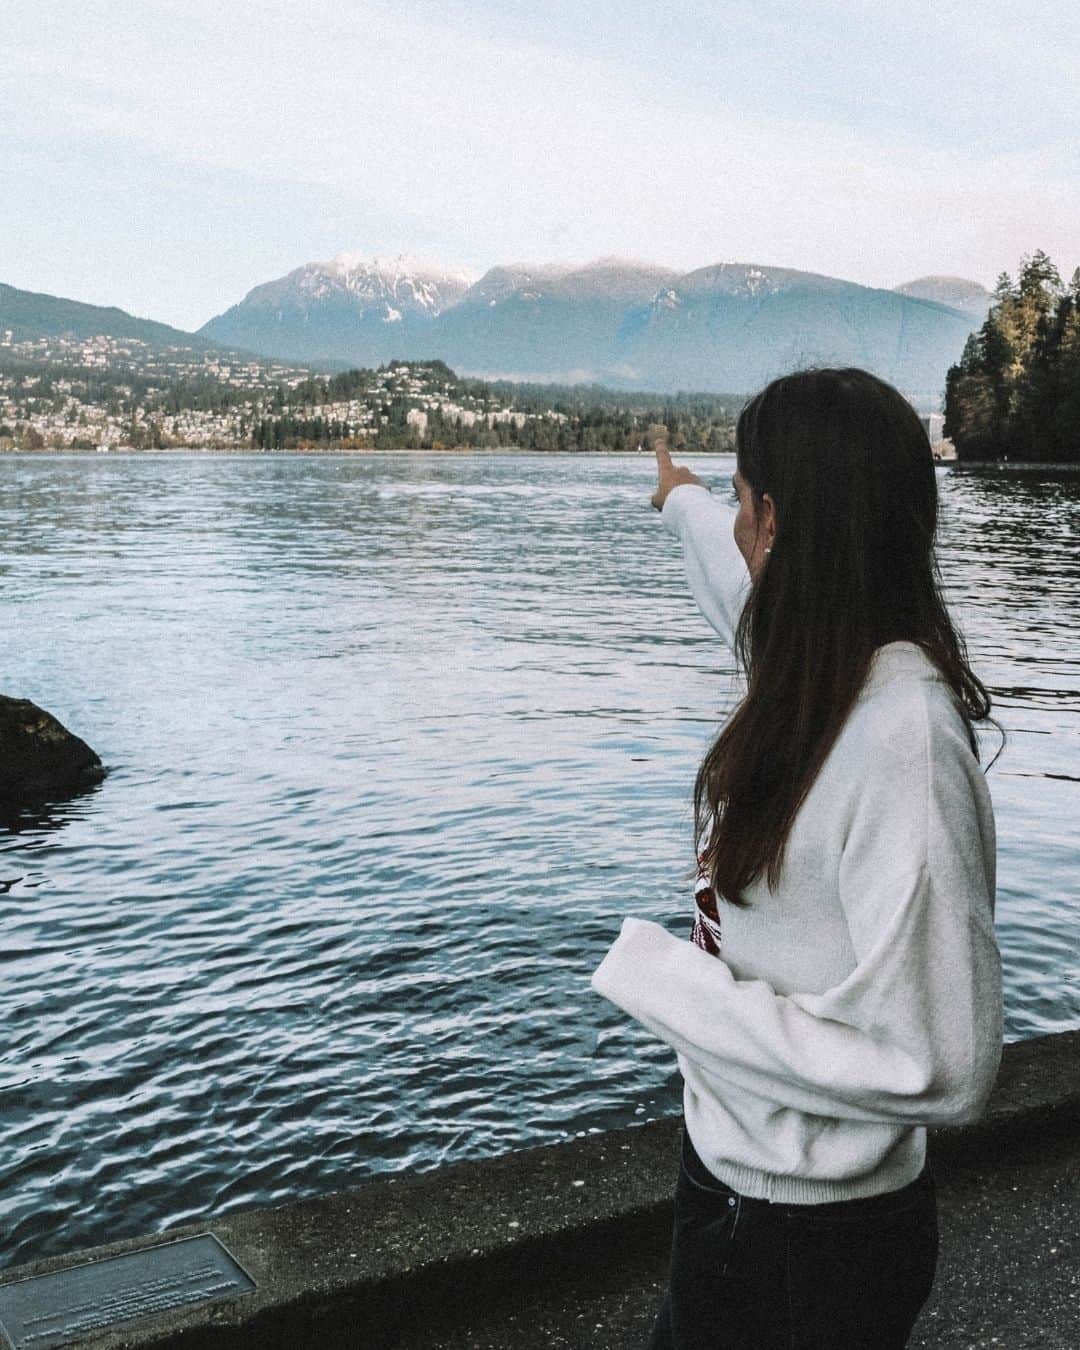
x,y
58,1308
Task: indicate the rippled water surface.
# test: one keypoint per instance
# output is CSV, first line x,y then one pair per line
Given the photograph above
x,y
395,742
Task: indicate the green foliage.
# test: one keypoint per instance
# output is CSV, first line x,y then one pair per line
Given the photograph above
x,y
578,419
1015,393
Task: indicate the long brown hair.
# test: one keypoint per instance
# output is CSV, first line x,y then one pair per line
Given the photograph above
x,y
852,566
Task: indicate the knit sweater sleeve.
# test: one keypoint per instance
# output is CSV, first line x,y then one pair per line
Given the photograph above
x,y
715,568
913,1034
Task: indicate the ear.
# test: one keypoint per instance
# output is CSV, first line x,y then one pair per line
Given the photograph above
x,y
768,518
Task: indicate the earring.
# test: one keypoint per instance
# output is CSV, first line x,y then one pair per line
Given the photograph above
x,y
768,550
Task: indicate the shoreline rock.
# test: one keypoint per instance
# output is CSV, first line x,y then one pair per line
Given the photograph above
x,y
39,758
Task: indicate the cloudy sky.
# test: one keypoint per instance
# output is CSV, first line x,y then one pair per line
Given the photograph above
x,y
167,155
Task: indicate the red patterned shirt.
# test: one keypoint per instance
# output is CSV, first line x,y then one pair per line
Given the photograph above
x,y
706,930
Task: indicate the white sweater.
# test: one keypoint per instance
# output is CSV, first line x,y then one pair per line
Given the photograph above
x,y
861,1000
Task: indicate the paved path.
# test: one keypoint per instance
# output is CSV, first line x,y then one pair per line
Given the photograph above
x,y
1008,1274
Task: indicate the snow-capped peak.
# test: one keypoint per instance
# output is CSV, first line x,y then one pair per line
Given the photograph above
x,y
403,265
386,287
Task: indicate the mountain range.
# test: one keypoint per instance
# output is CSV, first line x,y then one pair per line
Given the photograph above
x,y
725,328
628,324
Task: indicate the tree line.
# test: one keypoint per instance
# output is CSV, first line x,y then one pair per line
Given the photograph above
x,y
589,418
1015,393
592,430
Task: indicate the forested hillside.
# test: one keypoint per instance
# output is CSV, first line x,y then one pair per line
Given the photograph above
x,y
1015,393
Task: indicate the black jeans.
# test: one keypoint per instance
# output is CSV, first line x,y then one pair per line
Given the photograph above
x,y
758,1275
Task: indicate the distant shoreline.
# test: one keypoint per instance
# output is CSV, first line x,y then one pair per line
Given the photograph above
x,y
1007,465
1010,464
357,453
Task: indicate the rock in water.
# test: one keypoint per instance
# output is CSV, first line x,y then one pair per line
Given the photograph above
x,y
39,758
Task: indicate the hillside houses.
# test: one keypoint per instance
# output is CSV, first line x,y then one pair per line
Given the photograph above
x,y
62,393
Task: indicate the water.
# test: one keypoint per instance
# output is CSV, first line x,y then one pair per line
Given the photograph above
x,y
395,743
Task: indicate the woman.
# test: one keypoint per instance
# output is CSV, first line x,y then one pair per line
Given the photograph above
x,y
842,987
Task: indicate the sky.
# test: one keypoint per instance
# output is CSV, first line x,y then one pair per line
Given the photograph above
x,y
168,155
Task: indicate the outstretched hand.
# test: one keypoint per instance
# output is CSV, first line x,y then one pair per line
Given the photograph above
x,y
668,475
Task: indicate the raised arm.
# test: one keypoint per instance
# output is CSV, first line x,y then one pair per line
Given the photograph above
x,y
715,568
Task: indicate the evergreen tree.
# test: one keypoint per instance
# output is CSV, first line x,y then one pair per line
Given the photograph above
x,y
1015,393
1065,415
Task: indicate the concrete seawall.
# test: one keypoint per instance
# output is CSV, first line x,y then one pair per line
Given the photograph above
x,y
426,1260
